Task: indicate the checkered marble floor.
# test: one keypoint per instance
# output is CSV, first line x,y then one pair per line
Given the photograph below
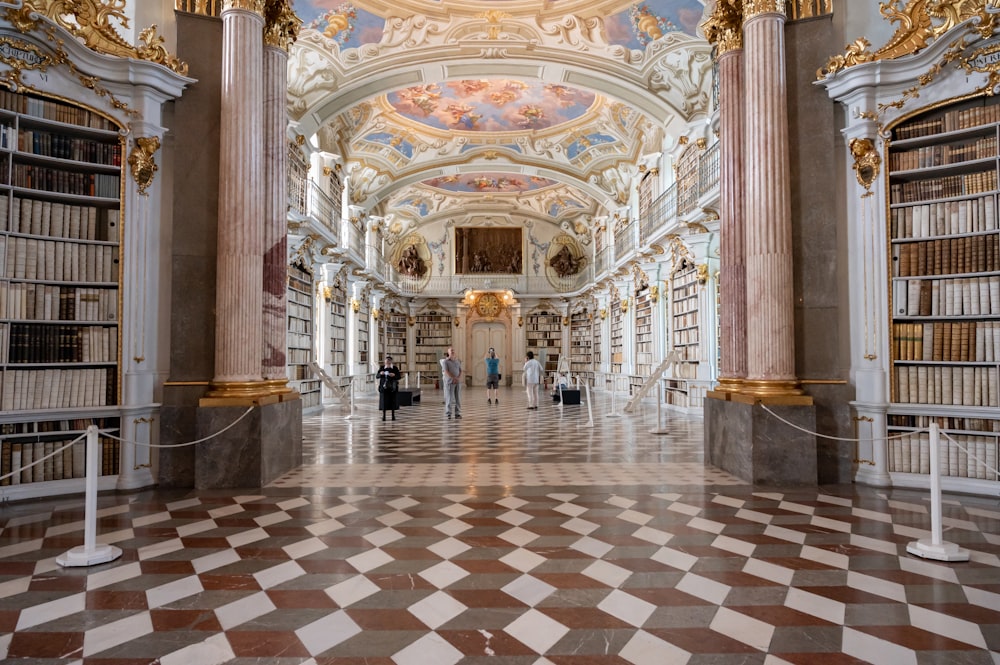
x,y
509,537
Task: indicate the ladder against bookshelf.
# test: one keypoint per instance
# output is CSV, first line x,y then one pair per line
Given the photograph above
x,y
543,335
432,338
685,320
945,289
300,336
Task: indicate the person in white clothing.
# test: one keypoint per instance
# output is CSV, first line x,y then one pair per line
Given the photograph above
x,y
531,377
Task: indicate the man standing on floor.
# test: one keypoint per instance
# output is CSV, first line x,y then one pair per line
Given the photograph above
x,y
531,376
451,368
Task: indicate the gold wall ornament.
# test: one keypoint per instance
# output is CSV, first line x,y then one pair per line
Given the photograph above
x,y
565,321
327,293
867,162
654,293
752,8
603,313
702,273
375,312
141,161
724,28
90,20
458,322
856,53
255,6
20,55
355,305
410,321
281,24
624,306
520,321
493,18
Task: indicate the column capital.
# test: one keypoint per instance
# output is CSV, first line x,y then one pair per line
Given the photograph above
x,y
255,6
724,28
281,24
752,8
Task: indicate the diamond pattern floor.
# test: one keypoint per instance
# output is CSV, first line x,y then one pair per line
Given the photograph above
x,y
509,537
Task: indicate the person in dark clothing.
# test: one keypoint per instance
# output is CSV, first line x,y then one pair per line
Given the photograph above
x,y
388,387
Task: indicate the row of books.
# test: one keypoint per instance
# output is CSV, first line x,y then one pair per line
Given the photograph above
x,y
73,148
945,385
47,302
910,453
943,187
299,356
58,388
76,425
943,218
69,463
947,256
299,340
54,260
944,422
688,320
941,154
62,181
967,296
301,326
23,343
951,121
57,220
945,341
52,110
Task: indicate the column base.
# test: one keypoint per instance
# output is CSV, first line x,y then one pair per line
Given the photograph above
x,y
750,443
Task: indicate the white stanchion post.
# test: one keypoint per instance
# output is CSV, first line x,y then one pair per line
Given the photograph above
x,y
590,407
90,553
659,401
350,388
934,547
418,380
614,389
406,380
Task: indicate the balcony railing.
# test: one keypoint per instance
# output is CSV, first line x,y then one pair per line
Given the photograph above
x,y
520,284
321,207
708,170
624,242
661,212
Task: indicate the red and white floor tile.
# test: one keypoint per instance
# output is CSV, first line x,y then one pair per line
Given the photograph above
x,y
509,537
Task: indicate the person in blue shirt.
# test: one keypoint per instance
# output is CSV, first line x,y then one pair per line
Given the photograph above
x,y
492,376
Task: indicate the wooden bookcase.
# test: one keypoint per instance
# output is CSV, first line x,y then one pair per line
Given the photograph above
x,y
363,313
393,339
685,323
643,334
617,337
60,281
945,289
338,331
581,345
432,339
300,336
543,335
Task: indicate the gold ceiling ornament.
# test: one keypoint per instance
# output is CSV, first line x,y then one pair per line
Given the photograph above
x,y
920,23
141,161
752,8
493,18
724,28
867,162
281,24
89,20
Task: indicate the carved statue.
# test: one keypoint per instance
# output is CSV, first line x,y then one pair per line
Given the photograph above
x,y
410,263
564,263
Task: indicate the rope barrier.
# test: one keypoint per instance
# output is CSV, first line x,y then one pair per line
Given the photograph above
x,y
186,443
17,471
839,438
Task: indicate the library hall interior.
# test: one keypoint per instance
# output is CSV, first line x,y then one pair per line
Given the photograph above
x,y
510,332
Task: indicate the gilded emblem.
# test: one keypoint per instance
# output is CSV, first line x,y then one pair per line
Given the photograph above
x,y
140,160
866,161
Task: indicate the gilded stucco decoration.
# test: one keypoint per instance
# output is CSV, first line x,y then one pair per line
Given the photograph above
x,y
724,27
920,23
281,24
141,162
867,162
90,20
753,8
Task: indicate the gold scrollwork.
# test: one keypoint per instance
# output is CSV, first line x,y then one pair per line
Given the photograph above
x,y
281,24
702,273
141,161
867,162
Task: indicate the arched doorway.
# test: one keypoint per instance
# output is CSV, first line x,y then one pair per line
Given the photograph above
x,y
486,335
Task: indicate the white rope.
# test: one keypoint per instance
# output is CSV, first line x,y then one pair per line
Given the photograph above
x,y
841,438
18,470
182,445
990,469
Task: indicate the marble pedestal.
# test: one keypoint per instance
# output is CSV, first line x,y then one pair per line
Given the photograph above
x,y
750,443
259,448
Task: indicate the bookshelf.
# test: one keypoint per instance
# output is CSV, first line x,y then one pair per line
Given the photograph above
x,y
300,336
543,335
684,314
338,330
581,345
598,329
643,334
393,339
433,337
945,289
363,313
60,286
617,337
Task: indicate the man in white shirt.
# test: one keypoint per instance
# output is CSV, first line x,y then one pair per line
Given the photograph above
x,y
451,374
531,377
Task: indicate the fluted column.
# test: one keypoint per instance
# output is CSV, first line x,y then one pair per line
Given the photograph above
x,y
281,27
725,31
770,320
238,327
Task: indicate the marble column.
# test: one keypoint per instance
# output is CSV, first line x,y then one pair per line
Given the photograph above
x,y
281,27
725,31
239,299
768,237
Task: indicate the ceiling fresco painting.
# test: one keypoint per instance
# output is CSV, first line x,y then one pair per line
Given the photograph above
x,y
518,111
497,105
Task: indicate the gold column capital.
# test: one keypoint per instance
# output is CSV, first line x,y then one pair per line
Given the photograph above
x,y
281,24
752,8
255,6
724,28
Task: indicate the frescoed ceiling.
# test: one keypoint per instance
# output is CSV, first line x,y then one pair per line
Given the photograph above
x,y
540,109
